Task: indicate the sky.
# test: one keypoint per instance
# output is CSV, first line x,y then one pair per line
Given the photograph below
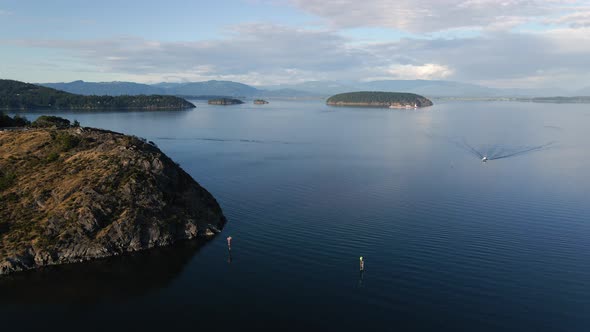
x,y
496,43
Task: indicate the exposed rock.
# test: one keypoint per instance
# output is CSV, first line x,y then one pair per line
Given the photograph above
x,y
71,195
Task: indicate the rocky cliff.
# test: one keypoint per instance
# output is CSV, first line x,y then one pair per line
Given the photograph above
x,y
74,194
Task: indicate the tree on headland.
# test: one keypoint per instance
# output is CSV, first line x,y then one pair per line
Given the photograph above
x,y
16,121
49,121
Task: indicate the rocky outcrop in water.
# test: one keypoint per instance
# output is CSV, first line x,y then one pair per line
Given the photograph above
x,y
75,194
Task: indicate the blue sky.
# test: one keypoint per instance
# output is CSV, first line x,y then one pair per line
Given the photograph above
x,y
500,43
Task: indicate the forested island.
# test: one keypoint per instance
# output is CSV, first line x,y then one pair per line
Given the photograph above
x,y
15,95
260,102
225,101
70,194
379,99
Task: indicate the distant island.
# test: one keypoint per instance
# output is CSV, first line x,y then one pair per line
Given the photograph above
x,y
70,194
15,95
379,99
260,102
559,100
225,101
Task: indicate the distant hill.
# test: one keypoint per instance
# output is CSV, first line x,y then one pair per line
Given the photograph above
x,y
424,87
219,88
288,93
559,100
106,88
19,95
430,88
310,89
191,89
325,88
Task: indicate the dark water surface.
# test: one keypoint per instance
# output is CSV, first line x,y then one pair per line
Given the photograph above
x,y
450,243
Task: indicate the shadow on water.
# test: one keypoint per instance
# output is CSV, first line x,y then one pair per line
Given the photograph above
x,y
110,279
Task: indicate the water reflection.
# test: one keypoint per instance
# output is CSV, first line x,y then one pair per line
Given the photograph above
x,y
361,281
111,279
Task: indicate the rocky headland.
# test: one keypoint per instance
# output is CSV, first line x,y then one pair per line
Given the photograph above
x,y
73,194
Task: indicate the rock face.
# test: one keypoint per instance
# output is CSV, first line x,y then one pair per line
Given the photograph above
x,y
379,99
74,194
225,101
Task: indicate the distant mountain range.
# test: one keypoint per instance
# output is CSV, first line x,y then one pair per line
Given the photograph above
x,y
311,89
105,88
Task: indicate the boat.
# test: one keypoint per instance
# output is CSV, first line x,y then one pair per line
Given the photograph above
x,y
484,159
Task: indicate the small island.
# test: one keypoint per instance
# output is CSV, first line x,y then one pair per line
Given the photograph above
x,y
71,194
379,99
15,95
225,101
260,102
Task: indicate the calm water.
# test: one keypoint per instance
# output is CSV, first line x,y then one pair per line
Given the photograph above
x,y
450,243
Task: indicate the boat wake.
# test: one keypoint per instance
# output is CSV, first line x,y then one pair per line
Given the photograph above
x,y
209,139
496,152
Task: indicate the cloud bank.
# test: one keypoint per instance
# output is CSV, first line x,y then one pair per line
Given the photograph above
x,y
513,43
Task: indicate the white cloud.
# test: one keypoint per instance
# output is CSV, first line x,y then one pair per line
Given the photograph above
x,y
259,52
427,71
578,19
434,15
269,54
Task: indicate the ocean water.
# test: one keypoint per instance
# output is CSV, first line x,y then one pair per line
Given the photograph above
x,y
450,243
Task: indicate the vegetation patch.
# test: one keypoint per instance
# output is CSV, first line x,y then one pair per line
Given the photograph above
x,y
66,141
6,180
53,156
50,121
